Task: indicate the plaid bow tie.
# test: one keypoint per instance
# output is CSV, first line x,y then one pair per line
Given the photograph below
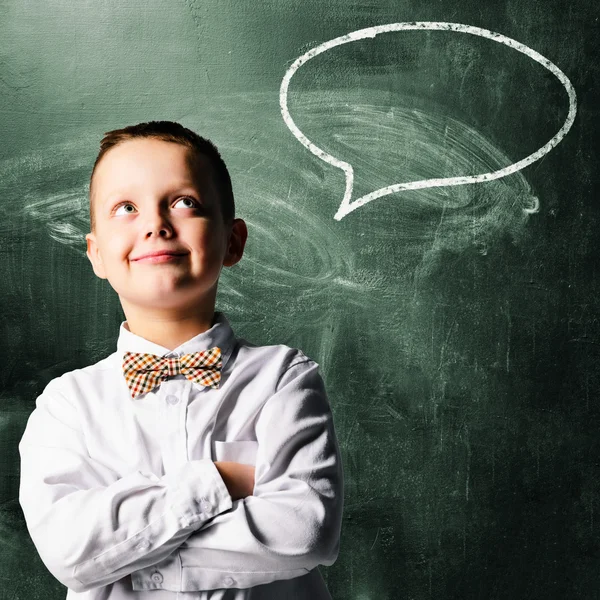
x,y
143,371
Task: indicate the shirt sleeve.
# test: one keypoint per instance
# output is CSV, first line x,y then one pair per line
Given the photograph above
x,y
91,528
292,521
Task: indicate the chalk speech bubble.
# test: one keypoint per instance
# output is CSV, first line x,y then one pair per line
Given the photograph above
x,y
370,32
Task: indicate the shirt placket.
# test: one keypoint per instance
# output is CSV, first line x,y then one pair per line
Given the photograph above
x,y
173,395
173,399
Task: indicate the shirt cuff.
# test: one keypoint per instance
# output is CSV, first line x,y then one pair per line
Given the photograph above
x,y
200,492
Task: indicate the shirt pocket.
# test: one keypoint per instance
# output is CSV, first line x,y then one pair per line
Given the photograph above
x,y
242,451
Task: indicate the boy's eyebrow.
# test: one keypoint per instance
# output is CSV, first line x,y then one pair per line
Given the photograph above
x,y
179,187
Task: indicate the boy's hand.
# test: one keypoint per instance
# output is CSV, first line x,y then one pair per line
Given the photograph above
x,y
238,478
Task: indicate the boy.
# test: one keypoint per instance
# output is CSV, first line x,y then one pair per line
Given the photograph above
x,y
119,489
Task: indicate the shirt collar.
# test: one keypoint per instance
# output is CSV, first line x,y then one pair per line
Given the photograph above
x,y
220,334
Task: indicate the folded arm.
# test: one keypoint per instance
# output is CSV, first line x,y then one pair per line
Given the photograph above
x,y
292,521
91,528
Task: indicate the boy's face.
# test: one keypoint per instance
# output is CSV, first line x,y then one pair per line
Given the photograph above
x,y
146,200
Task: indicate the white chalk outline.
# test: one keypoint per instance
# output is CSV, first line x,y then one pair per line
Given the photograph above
x,y
370,32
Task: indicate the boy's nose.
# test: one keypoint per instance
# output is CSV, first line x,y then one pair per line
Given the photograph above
x,y
158,225
159,232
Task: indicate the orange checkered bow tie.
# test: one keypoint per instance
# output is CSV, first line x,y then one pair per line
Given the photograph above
x,y
143,371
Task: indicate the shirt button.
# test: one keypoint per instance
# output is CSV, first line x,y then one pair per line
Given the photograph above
x,y
205,506
143,545
156,577
172,399
229,581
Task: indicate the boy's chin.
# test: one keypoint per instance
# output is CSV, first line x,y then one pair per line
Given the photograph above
x,y
166,300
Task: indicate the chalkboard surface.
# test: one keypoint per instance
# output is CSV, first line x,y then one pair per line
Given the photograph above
x,y
456,326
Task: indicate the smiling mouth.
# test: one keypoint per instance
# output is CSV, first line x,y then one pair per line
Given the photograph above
x,y
160,258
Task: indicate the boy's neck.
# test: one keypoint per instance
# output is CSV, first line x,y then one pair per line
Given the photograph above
x,y
169,330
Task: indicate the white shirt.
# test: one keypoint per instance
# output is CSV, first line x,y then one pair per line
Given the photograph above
x,y
122,499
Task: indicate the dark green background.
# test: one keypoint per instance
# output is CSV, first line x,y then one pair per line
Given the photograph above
x,y
456,332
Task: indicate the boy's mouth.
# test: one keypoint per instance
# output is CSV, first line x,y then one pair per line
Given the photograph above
x,y
159,256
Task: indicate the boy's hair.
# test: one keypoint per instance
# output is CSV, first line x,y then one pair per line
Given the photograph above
x,y
170,131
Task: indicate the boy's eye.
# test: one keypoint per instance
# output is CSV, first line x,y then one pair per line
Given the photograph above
x,y
124,205
127,205
192,202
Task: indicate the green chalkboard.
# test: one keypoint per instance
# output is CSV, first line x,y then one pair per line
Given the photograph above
x,y
456,326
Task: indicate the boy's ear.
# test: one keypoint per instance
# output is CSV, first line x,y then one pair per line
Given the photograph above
x,y
236,242
94,255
